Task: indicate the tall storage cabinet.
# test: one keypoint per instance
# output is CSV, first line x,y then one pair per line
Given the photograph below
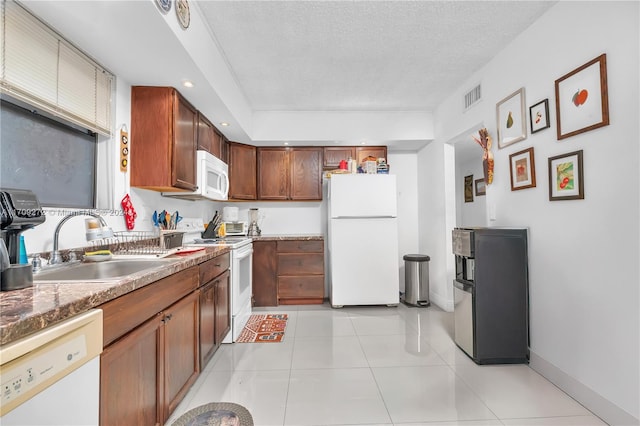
x,y
164,130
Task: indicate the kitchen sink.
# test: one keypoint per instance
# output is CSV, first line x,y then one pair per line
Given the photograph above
x,y
99,271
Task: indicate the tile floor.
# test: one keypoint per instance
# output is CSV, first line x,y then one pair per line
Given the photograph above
x,y
376,366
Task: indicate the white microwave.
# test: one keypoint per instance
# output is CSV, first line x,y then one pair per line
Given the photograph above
x,y
213,179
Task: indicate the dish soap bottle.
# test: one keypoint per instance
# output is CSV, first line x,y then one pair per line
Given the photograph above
x,y
23,252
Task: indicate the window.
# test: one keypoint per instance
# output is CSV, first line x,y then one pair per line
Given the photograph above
x,y
53,159
56,121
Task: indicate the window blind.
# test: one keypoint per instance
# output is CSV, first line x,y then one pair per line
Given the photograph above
x,y
41,68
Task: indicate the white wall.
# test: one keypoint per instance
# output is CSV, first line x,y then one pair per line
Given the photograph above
x,y
436,195
583,254
405,166
472,213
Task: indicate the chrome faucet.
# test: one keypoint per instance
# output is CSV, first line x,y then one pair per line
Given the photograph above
x,y
106,232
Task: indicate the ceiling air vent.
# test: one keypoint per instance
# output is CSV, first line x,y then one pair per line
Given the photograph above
x,y
472,97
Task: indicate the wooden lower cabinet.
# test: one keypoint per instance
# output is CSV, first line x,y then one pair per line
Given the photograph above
x,y
131,377
265,280
300,266
288,272
151,353
180,350
215,316
223,307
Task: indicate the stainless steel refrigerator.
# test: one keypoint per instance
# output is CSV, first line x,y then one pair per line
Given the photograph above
x,y
491,300
363,240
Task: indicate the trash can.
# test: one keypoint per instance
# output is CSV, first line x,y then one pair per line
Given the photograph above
x,y
416,279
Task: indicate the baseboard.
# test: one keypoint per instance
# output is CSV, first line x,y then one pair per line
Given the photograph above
x,y
442,302
601,407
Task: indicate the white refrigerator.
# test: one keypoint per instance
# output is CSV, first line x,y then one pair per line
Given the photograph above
x,y
363,240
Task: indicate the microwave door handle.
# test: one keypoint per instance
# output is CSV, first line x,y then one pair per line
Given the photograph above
x,y
226,184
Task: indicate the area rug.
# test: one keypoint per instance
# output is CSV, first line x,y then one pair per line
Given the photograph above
x,y
216,414
263,328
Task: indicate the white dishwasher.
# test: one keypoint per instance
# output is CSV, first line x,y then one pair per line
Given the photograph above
x,y
52,377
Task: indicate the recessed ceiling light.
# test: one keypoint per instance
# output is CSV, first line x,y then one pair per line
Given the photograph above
x,y
286,143
224,123
187,83
363,143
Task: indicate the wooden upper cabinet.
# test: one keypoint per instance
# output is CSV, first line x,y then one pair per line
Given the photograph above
x,y
334,154
306,174
363,152
290,173
209,138
242,171
163,140
273,174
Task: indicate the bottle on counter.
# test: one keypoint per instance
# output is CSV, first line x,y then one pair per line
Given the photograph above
x,y
352,166
23,252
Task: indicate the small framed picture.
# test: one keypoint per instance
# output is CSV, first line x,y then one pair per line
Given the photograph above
x,y
468,189
512,126
566,180
539,116
582,102
481,188
523,169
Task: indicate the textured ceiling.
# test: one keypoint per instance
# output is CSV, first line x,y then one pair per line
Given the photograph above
x,y
361,55
313,56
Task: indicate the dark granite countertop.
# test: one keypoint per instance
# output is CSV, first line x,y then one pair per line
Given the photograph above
x,y
289,237
26,311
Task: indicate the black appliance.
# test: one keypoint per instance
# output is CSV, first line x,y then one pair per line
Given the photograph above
x,y
491,302
19,211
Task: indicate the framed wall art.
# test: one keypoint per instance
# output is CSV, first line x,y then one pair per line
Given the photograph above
x,y
566,177
481,188
539,116
511,120
183,13
468,189
582,102
164,5
523,169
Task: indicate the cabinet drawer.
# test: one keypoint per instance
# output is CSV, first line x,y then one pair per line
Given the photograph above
x,y
214,267
313,246
128,311
301,287
300,264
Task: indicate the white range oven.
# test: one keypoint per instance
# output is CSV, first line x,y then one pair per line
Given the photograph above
x,y
241,250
